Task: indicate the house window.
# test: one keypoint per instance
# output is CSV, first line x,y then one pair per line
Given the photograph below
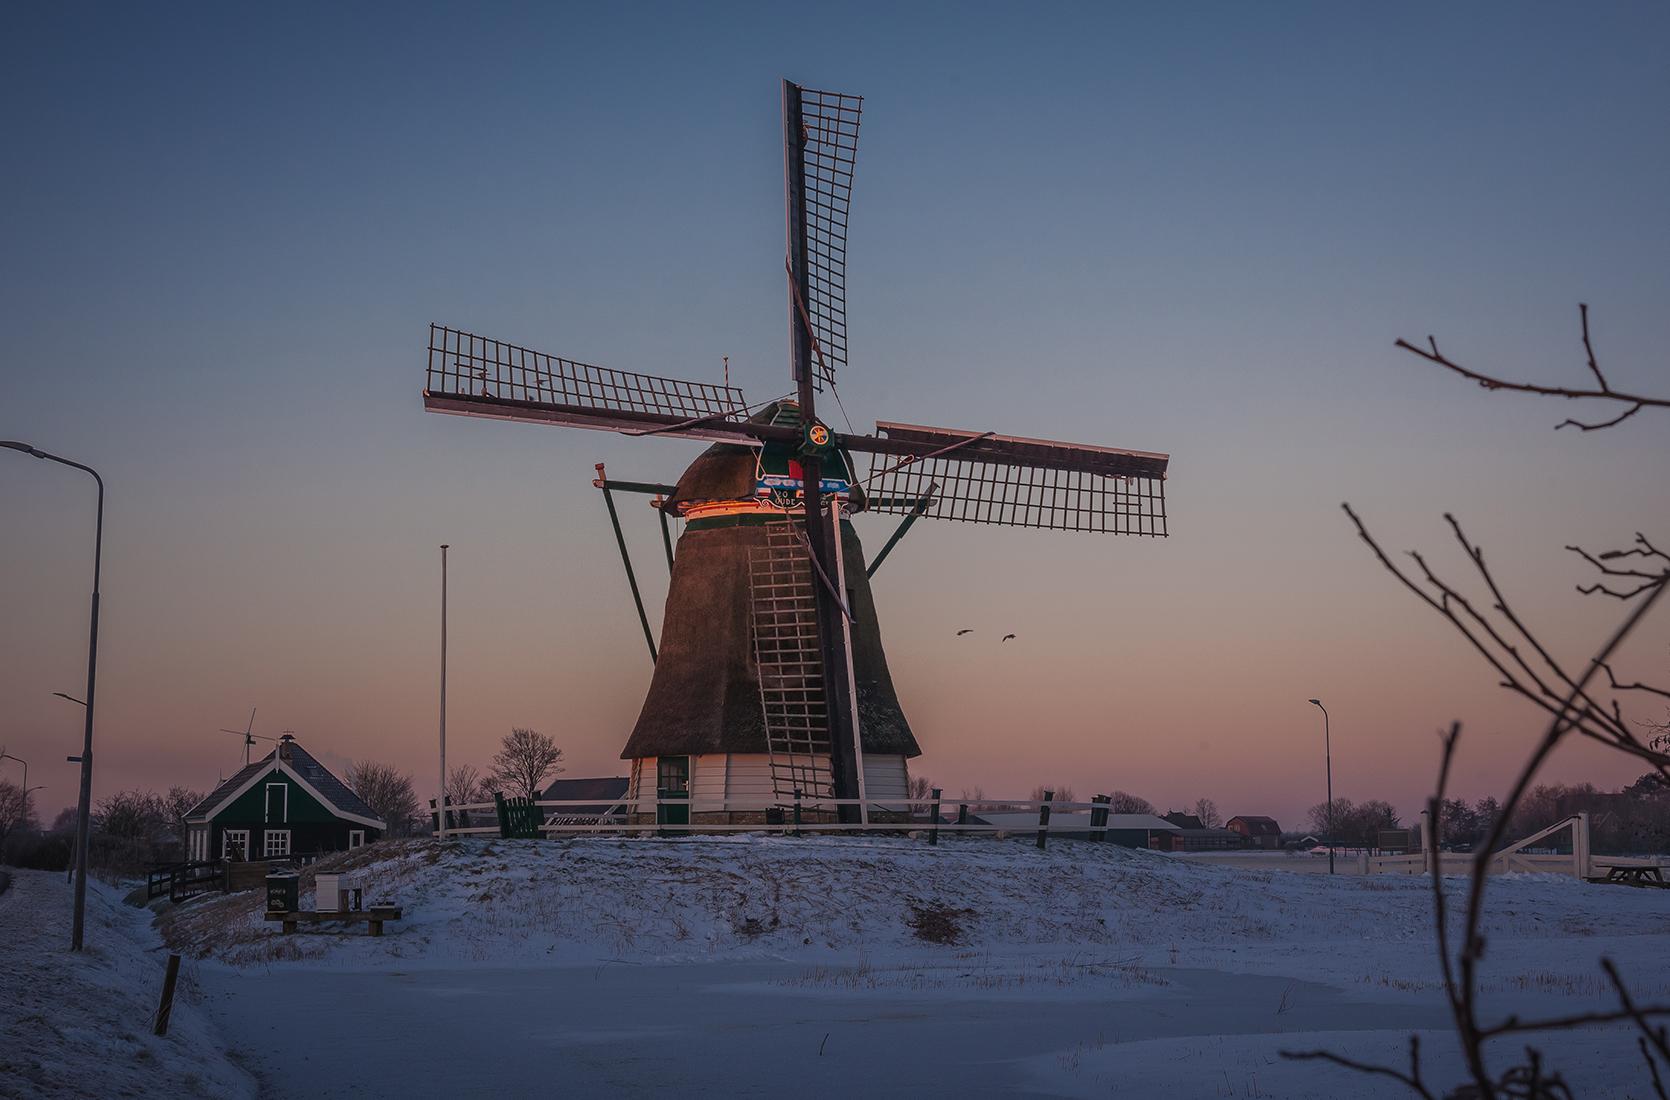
x,y
234,844
276,843
672,774
278,802
356,839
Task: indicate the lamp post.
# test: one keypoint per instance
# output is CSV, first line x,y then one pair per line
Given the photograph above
x,y
1328,755
80,918
440,800
69,874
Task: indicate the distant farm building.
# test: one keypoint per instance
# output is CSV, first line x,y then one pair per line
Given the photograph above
x,y
1259,832
285,804
609,793
1131,830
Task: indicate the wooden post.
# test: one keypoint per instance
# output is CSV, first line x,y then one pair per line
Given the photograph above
x,y
1429,844
1099,818
933,829
503,810
1580,844
962,813
1044,819
167,1005
797,811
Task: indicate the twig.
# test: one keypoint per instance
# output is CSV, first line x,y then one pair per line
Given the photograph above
x,y
1604,391
1411,1079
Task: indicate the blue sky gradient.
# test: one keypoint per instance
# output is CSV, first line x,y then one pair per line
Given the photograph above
x,y
1186,229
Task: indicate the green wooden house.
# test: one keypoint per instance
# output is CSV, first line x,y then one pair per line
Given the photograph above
x,y
285,804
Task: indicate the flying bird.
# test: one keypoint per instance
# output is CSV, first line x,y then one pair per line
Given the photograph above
x,y
960,633
1006,637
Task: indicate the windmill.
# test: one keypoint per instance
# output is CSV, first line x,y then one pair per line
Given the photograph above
x,y
249,736
769,498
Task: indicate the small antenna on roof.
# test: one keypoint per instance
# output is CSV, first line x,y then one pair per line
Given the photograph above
x,y
727,371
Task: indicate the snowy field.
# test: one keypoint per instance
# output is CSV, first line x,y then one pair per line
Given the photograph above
x,y
746,965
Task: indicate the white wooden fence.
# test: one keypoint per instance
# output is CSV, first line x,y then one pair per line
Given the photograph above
x,y
901,814
1580,862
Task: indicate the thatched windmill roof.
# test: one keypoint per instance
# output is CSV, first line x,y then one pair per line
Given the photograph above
x,y
704,697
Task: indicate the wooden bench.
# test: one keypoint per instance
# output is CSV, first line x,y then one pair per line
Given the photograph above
x,y
1644,875
373,917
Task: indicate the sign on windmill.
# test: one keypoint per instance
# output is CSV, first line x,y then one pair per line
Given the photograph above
x,y
770,678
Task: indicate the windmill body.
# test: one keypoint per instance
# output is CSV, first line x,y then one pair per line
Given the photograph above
x,y
770,678
735,713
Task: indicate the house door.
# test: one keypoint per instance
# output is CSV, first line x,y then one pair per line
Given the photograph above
x,y
672,790
278,802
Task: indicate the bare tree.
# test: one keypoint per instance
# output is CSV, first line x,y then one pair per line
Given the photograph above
x,y
1124,803
918,788
1576,702
133,815
387,790
1207,811
466,785
1061,792
14,808
177,803
526,758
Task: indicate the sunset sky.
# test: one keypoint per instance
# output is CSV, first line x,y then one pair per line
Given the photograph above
x,y
1195,230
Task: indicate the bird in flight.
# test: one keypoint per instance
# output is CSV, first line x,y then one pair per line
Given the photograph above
x,y
1006,637
960,633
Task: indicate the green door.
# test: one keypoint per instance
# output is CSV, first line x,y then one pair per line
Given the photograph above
x,y
672,791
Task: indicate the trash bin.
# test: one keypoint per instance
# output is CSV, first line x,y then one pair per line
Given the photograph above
x,y
283,892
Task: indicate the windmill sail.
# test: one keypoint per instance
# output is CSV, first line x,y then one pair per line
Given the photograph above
x,y
477,376
821,153
1011,481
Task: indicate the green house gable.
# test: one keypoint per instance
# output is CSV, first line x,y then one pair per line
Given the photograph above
x,y
289,800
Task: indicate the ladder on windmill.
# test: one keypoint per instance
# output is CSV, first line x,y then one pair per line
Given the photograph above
x,y
783,616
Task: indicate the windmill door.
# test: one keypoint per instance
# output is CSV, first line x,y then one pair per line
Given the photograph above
x,y
672,790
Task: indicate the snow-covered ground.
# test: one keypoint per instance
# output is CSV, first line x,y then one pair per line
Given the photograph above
x,y
736,964
79,1025
752,965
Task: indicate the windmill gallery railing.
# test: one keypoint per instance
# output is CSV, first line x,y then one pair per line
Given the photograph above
x,y
1093,820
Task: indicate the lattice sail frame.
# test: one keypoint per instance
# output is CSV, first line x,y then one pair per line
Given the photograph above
x,y
829,147
462,364
1014,482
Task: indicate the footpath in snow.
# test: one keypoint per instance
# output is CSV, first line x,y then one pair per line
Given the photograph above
x,y
79,1025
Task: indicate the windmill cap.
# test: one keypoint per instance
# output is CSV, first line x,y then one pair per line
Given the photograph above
x,y
288,737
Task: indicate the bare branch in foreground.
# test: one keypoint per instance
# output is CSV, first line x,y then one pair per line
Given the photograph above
x,y
1603,391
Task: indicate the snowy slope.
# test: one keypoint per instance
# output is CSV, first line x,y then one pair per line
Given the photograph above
x,y
707,898
78,1025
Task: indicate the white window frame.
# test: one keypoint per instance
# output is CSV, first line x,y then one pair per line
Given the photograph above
x,y
266,802
356,839
268,849
226,836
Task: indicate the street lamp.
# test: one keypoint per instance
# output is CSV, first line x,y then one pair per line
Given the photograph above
x,y
69,875
81,823
1328,755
